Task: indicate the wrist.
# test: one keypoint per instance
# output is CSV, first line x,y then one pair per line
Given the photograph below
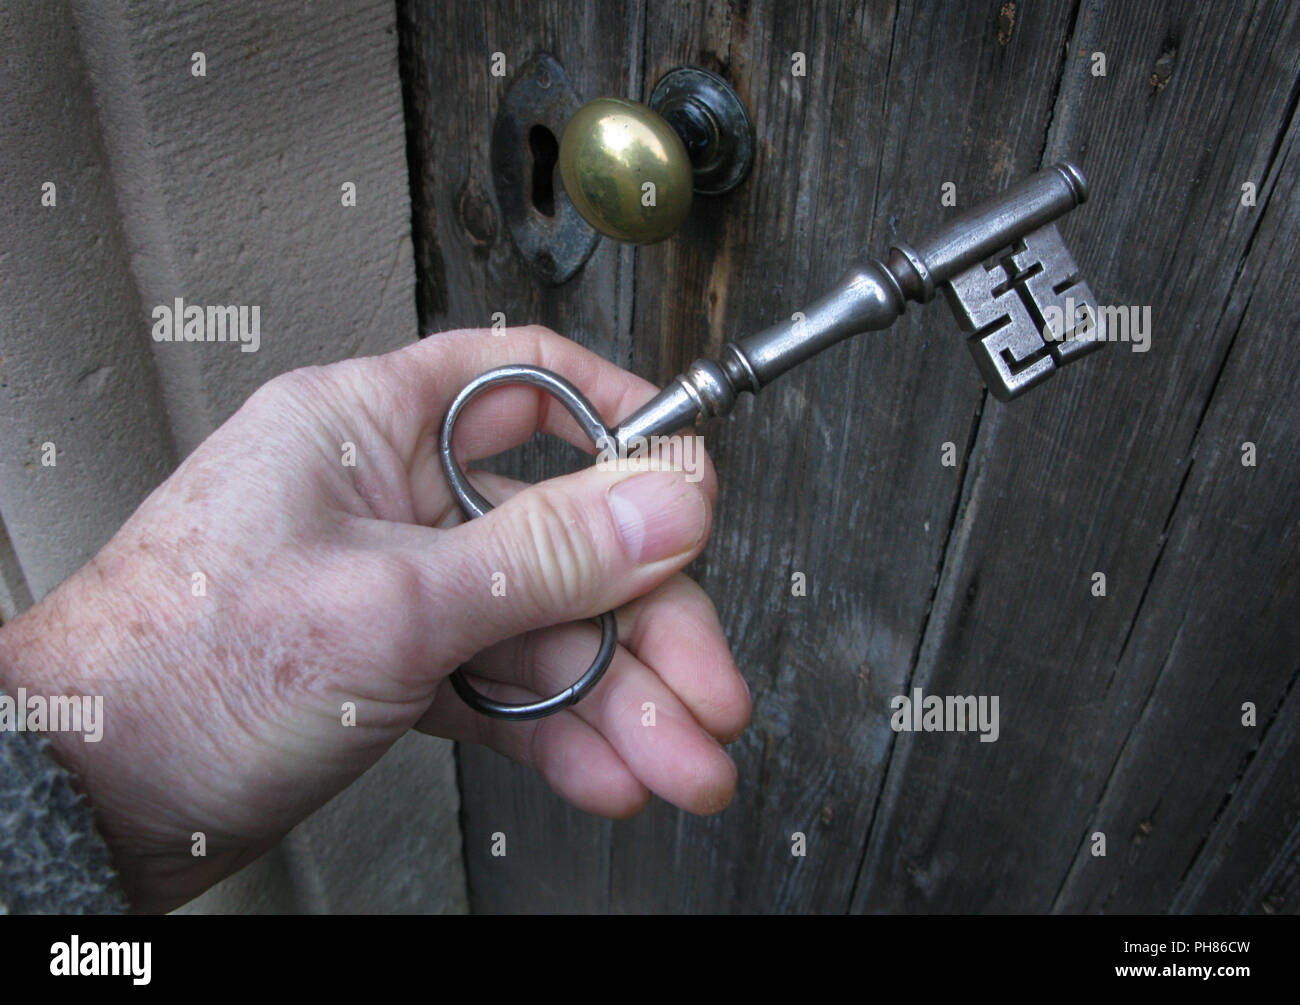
x,y
37,675
82,661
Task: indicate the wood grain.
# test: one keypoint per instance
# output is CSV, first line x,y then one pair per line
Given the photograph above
x,y
1118,713
836,470
1218,624
1086,477
555,855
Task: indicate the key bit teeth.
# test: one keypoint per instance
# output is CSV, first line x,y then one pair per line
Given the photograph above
x,y
1027,312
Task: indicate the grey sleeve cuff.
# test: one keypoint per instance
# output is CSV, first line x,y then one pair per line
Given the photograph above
x,y
52,860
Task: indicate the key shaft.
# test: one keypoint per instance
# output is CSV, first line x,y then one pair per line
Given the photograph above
x,y
869,297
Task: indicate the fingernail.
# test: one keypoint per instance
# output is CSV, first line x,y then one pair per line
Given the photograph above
x,y
658,514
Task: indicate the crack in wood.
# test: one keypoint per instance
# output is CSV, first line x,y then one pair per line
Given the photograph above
x,y
1246,761
961,500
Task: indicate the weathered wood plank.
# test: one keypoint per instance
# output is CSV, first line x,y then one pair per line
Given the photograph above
x,y
1085,477
1251,860
1218,620
967,580
556,855
834,471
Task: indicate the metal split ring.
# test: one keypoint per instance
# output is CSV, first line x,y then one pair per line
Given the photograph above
x,y
473,504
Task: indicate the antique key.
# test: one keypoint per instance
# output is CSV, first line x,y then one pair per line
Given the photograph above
x,y
1011,282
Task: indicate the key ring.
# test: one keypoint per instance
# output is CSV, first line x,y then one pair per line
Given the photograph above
x,y
472,504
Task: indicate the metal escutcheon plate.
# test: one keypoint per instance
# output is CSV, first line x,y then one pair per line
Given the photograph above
x,y
540,101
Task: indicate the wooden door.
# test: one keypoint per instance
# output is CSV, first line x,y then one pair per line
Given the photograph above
x,y
1170,472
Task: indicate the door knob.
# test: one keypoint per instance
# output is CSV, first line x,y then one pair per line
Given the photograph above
x,y
632,170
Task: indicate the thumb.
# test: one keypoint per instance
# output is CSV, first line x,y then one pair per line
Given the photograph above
x,y
573,547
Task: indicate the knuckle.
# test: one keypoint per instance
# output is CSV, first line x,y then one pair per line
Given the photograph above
x,y
560,543
292,382
542,343
390,590
384,587
540,332
310,381
738,711
395,581
726,699
285,390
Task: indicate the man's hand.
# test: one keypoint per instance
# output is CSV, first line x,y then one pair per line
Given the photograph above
x,y
327,587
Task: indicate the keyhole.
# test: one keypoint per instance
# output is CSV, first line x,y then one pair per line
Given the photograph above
x,y
546,151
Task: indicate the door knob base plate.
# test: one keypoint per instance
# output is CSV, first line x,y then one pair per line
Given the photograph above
x,y
707,113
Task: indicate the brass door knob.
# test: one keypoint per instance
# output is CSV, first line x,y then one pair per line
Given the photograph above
x,y
631,170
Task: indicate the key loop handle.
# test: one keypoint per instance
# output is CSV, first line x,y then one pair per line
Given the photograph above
x,y
473,504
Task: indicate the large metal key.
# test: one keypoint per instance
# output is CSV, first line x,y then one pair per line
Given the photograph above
x,y
1011,282
1003,267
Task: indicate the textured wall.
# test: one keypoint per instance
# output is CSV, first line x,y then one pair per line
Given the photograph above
x,y
75,367
223,188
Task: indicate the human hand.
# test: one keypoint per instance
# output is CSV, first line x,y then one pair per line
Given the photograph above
x,y
327,584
